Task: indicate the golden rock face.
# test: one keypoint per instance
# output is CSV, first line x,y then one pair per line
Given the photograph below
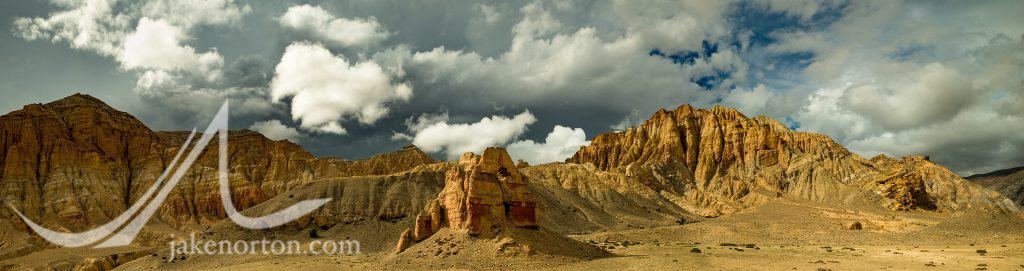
x,y
404,241
487,191
76,162
482,194
719,156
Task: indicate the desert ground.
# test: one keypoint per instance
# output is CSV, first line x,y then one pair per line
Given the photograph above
x,y
787,234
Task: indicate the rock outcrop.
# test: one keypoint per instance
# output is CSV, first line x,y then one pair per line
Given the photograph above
x,y
261,169
485,192
713,159
1009,183
404,241
75,162
482,195
381,164
578,199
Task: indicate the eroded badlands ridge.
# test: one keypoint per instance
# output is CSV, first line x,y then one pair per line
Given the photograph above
x,y
1008,182
716,158
75,163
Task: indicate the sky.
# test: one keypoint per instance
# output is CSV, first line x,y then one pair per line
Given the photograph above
x,y
355,78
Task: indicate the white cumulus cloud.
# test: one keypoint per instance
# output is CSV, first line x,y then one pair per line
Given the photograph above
x,y
354,32
326,88
101,26
274,129
560,144
156,44
434,134
751,101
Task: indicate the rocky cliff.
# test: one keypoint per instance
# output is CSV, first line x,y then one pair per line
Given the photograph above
x,y
714,159
482,195
1009,183
261,169
76,162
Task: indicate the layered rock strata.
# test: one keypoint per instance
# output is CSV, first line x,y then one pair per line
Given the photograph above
x,y
75,163
1009,183
482,194
715,158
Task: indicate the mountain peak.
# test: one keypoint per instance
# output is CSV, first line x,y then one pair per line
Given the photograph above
x,y
80,112
77,100
997,173
713,149
729,112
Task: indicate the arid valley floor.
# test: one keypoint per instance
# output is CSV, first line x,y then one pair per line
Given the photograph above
x,y
784,235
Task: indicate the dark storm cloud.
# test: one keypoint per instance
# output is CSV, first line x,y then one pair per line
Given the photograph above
x,y
248,71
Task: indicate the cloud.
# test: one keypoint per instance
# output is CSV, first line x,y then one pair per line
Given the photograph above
x,y
914,89
571,69
934,93
751,101
560,69
248,71
156,44
86,25
633,119
176,84
355,32
975,141
802,9
425,120
326,89
101,25
865,73
435,135
824,113
559,145
170,100
191,13
537,21
273,129
489,13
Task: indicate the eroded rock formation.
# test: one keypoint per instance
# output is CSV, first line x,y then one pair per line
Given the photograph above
x,y
75,163
482,194
1009,183
715,158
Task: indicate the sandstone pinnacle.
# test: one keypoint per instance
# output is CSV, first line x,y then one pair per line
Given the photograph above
x,y
483,194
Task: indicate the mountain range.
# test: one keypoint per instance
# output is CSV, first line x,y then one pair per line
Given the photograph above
x,y
76,163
